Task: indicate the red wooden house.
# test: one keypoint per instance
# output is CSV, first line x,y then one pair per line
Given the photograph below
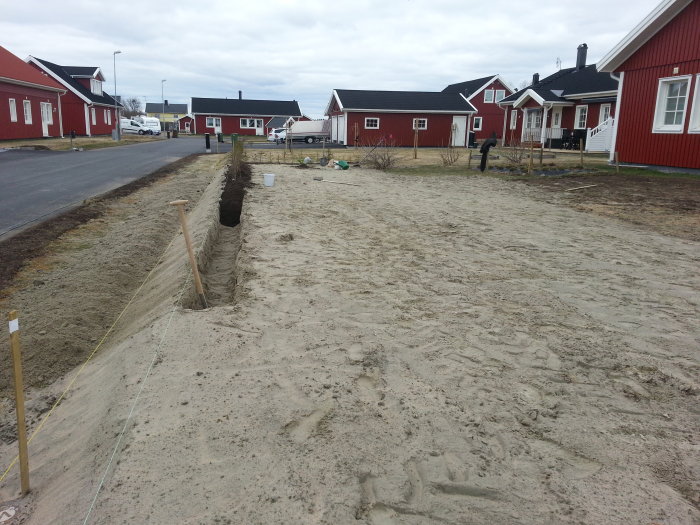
x,y
242,116
484,94
185,124
658,65
87,109
360,117
562,109
30,103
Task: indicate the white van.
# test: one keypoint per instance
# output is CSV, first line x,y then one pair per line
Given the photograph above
x,y
152,123
131,126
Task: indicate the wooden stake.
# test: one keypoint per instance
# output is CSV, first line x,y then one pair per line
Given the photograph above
x,y
469,160
193,263
532,152
415,144
19,400
580,147
541,153
617,164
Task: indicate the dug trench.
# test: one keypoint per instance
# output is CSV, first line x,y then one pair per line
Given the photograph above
x,y
69,278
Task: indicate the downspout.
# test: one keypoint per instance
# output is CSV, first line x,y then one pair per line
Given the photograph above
x,y
618,102
60,117
505,119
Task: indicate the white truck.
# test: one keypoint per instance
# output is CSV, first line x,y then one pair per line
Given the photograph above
x,y
310,131
152,123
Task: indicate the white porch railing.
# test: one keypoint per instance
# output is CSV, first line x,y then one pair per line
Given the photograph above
x,y
535,134
600,137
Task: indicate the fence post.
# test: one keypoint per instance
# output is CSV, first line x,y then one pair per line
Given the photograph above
x,y
19,400
180,205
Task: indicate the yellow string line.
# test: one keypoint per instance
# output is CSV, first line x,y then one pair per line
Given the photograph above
x,y
70,385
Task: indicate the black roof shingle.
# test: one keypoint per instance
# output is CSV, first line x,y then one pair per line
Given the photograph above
x,y
468,87
67,80
568,82
236,106
158,107
419,101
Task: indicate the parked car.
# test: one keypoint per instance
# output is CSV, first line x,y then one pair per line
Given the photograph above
x,y
277,135
131,126
152,123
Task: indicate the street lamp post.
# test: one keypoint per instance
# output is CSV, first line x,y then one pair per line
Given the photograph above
x,y
162,103
116,110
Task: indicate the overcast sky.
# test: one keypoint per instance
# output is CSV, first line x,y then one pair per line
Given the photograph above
x,y
303,49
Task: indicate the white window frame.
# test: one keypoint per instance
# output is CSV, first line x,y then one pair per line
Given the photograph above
x,y
577,117
601,115
556,117
479,120
660,109
488,96
500,94
694,124
513,118
96,86
251,123
93,116
27,105
109,117
420,123
211,122
368,120
13,110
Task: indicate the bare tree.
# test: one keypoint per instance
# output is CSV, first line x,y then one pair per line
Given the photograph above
x,y
131,107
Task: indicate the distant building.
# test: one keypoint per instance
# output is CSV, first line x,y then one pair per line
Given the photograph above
x,y
168,114
239,115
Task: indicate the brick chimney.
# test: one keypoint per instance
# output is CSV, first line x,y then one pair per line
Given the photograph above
x,y
581,53
535,78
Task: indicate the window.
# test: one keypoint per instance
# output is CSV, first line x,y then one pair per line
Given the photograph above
x,y
371,123
27,111
420,123
13,110
251,123
96,86
581,117
93,116
513,118
556,118
604,113
694,126
488,96
477,123
671,104
109,117
500,94
215,122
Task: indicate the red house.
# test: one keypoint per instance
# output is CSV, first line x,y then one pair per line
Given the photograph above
x,y
484,94
87,109
658,65
242,116
435,119
562,109
30,103
185,124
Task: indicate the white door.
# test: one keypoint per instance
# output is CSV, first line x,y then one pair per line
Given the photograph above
x,y
217,125
259,128
341,129
46,118
87,120
459,130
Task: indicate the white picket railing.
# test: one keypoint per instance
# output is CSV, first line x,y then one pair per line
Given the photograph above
x,y
600,137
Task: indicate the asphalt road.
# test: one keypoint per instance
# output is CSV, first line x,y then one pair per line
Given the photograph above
x,y
36,185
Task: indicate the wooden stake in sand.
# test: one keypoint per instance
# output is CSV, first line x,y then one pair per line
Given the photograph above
x,y
190,252
19,400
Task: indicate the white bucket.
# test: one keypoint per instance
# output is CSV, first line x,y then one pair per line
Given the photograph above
x,y
269,179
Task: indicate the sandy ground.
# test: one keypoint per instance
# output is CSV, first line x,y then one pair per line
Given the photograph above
x,y
410,350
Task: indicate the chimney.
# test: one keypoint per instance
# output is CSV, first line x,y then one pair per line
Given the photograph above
x,y
240,95
582,50
166,102
535,78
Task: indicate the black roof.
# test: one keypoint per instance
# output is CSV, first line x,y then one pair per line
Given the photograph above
x,y
80,71
236,106
568,82
67,80
468,87
157,107
278,122
419,101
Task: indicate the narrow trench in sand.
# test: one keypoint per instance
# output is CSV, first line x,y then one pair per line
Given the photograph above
x,y
219,274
